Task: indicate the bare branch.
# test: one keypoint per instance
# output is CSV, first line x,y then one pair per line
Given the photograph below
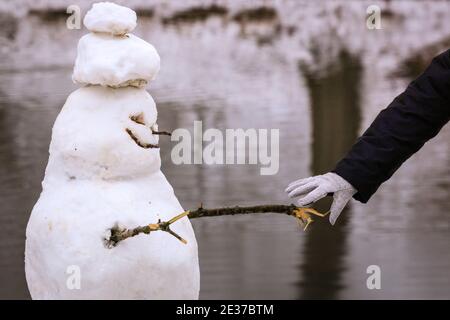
x,y
138,142
162,133
302,214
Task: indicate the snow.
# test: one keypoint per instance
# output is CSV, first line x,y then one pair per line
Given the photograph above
x,y
67,227
115,61
110,18
98,176
90,138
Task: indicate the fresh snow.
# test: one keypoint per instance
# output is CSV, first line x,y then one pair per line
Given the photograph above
x,y
98,177
110,18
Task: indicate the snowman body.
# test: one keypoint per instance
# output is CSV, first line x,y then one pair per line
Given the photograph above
x,y
100,173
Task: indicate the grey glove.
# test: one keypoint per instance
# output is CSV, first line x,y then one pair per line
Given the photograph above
x,y
315,188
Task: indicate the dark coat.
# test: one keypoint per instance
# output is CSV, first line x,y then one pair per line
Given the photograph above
x,y
400,130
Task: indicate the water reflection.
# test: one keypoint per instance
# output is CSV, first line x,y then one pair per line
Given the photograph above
x,y
15,197
231,69
14,182
335,105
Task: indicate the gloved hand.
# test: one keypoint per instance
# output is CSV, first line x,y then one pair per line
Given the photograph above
x,y
315,188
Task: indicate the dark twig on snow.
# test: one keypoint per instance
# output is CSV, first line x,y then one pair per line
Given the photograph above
x,y
302,214
140,143
161,133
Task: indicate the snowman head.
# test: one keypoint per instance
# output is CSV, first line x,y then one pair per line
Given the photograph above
x,y
104,133
110,55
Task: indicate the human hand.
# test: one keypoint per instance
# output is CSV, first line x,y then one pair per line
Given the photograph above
x,y
315,188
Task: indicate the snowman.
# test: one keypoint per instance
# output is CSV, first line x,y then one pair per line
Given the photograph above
x,y
104,170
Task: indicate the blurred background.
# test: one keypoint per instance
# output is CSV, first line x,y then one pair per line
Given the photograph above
x,y
311,69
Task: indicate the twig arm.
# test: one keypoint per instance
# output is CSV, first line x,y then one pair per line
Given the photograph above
x,y
229,211
302,214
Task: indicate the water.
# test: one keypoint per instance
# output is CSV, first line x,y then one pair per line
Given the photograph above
x,y
254,74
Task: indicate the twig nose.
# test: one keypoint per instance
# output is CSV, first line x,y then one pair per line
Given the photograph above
x,y
161,133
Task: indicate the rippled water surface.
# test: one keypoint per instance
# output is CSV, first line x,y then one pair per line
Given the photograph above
x,y
319,84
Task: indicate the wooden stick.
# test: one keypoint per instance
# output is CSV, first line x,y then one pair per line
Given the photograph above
x,y
302,214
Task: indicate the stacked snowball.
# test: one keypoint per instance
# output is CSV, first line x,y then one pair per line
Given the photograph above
x,y
110,55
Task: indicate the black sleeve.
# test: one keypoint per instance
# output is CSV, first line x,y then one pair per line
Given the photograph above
x,y
400,130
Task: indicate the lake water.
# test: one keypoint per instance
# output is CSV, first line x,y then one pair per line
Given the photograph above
x,y
318,75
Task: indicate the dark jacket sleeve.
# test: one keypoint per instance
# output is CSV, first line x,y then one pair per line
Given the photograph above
x,y
400,130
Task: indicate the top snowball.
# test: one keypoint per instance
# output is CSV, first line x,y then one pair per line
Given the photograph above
x,y
108,17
